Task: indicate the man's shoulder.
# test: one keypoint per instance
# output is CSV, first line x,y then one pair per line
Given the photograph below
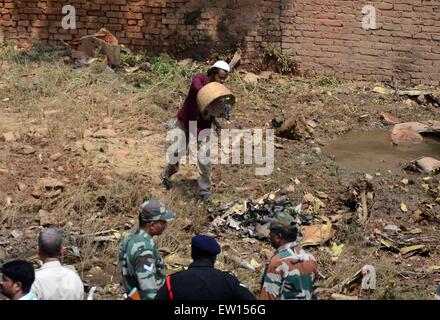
x,y
201,77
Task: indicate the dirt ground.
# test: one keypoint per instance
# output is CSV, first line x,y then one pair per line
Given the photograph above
x,y
56,113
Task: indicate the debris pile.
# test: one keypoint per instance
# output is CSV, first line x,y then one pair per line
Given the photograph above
x,y
103,42
252,218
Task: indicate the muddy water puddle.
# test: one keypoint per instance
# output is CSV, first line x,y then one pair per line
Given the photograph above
x,y
373,151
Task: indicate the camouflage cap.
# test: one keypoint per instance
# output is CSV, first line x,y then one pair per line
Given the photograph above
x,y
283,220
154,210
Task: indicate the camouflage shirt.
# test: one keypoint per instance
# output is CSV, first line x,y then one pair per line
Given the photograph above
x,y
141,265
289,275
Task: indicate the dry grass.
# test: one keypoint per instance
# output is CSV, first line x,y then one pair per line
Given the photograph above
x,y
99,198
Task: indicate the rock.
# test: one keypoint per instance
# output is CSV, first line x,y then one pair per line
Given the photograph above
x,y
295,128
48,187
104,134
55,156
51,112
289,189
251,79
428,165
131,142
4,171
416,127
88,146
406,137
8,201
317,150
87,133
107,120
185,63
383,90
391,229
388,118
46,218
21,186
16,234
9,137
41,132
311,124
368,176
60,169
122,153
26,150
266,75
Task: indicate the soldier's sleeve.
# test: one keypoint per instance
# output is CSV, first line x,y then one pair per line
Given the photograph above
x,y
146,274
272,280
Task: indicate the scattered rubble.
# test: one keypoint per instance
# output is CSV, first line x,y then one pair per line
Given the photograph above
x,y
104,134
426,165
295,128
48,187
388,118
56,156
9,137
84,49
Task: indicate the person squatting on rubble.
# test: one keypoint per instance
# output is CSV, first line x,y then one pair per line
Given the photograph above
x,y
16,278
54,281
201,281
291,272
190,112
142,266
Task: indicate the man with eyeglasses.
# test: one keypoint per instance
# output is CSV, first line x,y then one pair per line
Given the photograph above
x,y
16,280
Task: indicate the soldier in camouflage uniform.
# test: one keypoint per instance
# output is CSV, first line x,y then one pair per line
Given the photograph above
x,y
140,261
291,272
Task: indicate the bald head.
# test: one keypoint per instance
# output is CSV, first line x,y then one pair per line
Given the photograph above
x,y
50,242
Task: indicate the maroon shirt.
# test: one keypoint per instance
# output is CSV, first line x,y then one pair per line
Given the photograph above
x,y
190,110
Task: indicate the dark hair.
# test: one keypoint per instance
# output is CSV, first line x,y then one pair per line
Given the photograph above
x,y
50,242
20,271
197,254
213,71
287,234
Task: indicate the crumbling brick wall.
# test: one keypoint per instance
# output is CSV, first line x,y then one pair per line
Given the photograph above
x,y
324,36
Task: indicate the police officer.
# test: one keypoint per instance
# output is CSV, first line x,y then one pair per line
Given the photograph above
x,y
142,266
202,281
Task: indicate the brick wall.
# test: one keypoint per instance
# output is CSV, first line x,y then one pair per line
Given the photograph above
x,y
327,36
185,27
324,36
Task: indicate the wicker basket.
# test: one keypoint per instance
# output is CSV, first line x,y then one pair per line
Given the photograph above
x,y
213,99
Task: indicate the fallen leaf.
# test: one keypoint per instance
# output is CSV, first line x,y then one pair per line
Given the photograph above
x,y
405,181
255,264
425,187
403,207
317,234
336,251
412,248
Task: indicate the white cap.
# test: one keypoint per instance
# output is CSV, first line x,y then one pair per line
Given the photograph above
x,y
222,65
